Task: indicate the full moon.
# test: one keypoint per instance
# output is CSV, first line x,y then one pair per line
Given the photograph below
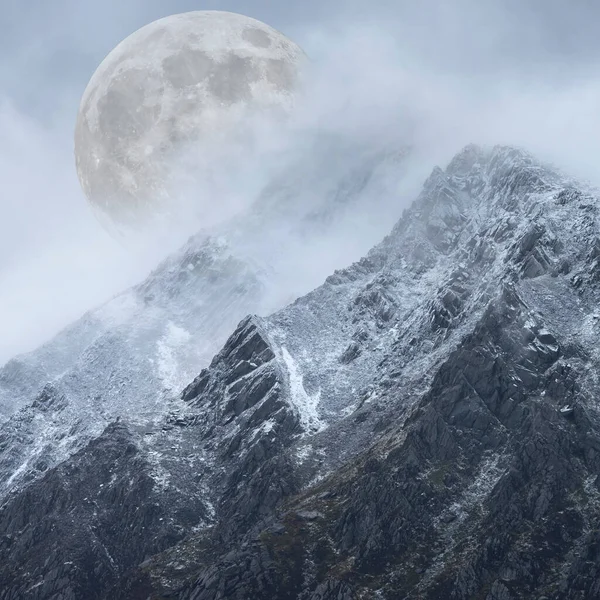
x,y
183,79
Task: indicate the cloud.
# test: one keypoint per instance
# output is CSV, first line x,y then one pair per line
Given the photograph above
x,y
430,75
442,75
55,260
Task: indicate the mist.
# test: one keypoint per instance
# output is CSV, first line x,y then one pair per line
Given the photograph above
x,y
429,78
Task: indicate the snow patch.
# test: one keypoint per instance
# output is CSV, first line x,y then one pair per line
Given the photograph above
x,y
263,429
303,452
305,405
167,347
159,474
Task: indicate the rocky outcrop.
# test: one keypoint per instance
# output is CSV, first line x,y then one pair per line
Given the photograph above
x,y
76,530
243,417
130,494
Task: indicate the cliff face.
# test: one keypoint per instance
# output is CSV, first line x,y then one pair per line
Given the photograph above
x,y
423,425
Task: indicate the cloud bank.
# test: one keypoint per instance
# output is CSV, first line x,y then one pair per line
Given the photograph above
x,y
431,76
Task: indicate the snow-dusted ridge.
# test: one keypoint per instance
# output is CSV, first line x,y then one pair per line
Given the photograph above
x,y
131,357
358,440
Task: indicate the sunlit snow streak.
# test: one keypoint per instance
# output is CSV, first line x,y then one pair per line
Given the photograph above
x,y
305,404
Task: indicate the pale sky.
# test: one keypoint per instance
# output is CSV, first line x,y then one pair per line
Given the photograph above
x,y
524,72
50,48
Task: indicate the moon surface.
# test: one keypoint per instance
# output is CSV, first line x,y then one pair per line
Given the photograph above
x,y
187,78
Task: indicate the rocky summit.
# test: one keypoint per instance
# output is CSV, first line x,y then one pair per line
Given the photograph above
x,y
424,424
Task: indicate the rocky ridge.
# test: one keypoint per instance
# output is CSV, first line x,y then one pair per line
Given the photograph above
x,y
132,357
423,425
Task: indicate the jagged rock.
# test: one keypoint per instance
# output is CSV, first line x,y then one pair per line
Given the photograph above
x,y
72,533
351,352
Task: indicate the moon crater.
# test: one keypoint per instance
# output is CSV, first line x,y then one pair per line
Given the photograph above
x,y
257,37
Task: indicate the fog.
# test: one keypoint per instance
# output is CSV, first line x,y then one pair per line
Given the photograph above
x,y
431,76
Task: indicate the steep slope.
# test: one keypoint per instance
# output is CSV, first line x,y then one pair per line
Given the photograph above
x,y
217,270
133,356
424,424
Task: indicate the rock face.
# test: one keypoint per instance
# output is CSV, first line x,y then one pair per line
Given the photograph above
x,y
88,520
423,425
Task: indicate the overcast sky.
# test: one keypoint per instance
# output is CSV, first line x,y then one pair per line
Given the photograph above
x,y
50,49
494,71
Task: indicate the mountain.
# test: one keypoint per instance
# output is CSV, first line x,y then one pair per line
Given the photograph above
x,y
132,357
422,425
